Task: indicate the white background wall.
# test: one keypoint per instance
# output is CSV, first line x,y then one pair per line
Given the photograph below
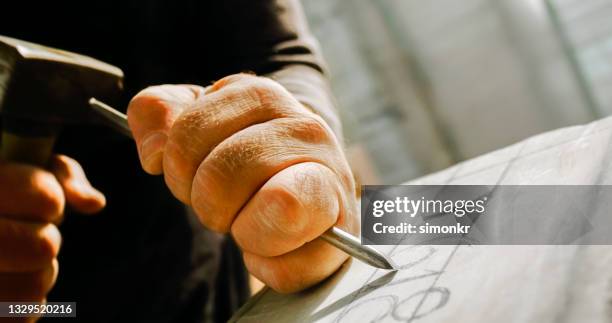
x,y
424,84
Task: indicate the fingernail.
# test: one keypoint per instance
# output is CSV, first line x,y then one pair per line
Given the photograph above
x,y
151,151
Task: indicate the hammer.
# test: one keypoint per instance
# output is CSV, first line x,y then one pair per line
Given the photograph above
x,y
43,88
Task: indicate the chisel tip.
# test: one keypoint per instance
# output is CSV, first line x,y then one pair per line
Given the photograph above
x,y
352,246
383,262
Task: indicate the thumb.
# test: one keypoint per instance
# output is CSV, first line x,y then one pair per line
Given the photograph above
x,y
151,114
78,191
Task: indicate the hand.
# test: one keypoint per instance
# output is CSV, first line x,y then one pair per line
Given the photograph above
x,y
253,161
31,205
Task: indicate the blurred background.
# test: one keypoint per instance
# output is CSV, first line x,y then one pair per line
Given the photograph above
x,y
422,85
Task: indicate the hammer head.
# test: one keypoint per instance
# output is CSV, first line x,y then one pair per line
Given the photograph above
x,y
50,86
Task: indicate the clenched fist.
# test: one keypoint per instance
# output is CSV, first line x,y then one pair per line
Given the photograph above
x,y
31,205
251,160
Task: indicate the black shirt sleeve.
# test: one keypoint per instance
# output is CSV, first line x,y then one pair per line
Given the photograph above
x,y
271,37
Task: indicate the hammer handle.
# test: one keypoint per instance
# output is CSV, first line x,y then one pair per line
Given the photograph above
x,y
33,150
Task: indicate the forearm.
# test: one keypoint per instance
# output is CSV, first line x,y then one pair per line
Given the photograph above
x,y
311,88
304,75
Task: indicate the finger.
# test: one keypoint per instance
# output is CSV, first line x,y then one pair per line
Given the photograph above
x,y
240,165
232,104
298,269
27,246
151,114
29,193
78,191
294,207
28,286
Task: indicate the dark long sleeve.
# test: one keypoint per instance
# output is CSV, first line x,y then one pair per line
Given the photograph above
x,y
272,38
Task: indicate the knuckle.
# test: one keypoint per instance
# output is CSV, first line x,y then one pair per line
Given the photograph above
x,y
240,77
179,167
144,98
223,82
312,129
260,86
189,123
153,98
265,92
311,178
212,183
185,147
256,94
282,212
47,194
47,244
319,191
233,155
210,216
